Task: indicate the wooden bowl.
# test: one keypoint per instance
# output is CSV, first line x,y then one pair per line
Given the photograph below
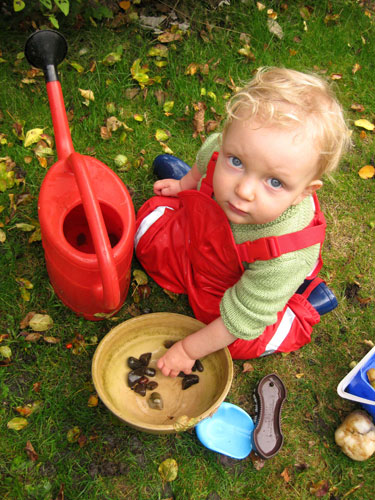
x,y
182,408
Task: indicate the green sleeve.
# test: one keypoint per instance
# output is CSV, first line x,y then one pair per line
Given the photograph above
x,y
210,145
265,287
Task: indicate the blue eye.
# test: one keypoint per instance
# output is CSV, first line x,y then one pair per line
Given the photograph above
x,y
235,162
274,183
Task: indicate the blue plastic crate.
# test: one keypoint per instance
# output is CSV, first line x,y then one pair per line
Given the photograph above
x,y
356,387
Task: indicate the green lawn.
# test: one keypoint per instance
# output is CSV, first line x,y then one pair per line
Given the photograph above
x,y
107,459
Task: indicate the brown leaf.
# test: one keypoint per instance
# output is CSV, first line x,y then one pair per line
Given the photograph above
x,y
258,462
33,337
51,340
105,133
285,475
357,107
247,367
211,125
60,495
26,320
320,489
198,120
171,295
37,386
31,453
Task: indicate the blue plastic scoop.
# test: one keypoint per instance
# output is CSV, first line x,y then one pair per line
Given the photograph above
x,y
229,431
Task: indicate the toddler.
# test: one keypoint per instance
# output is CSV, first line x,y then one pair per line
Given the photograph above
x,y
242,230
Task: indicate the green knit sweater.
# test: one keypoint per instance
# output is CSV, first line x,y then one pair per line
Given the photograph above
x,y
266,286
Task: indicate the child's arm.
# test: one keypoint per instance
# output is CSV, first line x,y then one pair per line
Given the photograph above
x,y
171,187
182,355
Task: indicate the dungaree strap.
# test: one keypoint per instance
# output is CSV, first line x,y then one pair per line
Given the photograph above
x,y
206,186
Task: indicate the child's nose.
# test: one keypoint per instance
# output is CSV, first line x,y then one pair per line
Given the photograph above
x,y
245,189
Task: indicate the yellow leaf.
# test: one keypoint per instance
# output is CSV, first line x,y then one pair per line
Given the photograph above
x,y
125,5
299,375
138,118
367,172
166,148
140,277
25,227
41,322
93,401
162,135
3,236
260,6
17,423
168,106
87,94
32,136
168,470
73,434
356,68
364,124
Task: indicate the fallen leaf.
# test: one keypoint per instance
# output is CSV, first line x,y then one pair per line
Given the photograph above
x,y
87,94
168,37
26,320
93,401
31,453
140,277
32,136
198,120
336,76
356,68
246,51
363,123
33,337
366,172
17,423
162,135
285,475
247,367
275,28
320,489
257,462
60,495
299,375
168,470
357,107
3,236
105,133
51,340
171,295
5,352
73,434
184,423
41,322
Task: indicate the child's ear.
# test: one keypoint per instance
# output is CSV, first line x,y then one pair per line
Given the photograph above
x,y
310,189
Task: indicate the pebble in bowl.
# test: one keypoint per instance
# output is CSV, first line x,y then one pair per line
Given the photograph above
x,y
181,408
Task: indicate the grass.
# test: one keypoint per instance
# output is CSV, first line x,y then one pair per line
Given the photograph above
x,y
115,462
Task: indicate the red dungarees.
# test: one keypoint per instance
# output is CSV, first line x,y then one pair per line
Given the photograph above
x,y
186,245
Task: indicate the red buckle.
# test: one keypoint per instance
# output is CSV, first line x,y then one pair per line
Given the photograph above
x,y
263,249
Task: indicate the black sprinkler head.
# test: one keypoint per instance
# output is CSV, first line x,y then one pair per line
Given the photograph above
x,y
46,49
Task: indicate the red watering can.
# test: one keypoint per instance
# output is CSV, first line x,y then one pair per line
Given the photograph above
x,y
86,214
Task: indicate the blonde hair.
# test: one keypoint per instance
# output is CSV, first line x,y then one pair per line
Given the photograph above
x,y
285,97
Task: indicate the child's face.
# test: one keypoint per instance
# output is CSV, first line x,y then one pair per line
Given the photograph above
x,y
260,172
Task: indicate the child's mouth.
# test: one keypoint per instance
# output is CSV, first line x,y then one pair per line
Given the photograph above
x,y
236,210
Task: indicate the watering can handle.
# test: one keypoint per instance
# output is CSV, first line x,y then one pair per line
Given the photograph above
x,y
107,267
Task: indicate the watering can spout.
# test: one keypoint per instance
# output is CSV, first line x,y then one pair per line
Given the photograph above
x,y
46,49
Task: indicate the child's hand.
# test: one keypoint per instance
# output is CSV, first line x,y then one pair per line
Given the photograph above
x,y
175,360
167,187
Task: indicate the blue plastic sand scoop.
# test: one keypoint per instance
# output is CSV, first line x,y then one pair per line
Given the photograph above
x,y
229,431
